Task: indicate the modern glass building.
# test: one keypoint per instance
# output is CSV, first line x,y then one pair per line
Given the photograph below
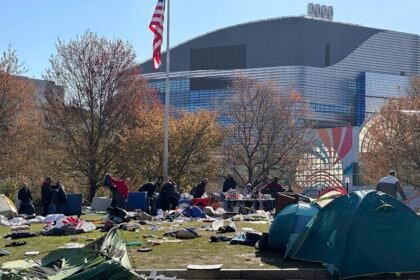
x,y
345,73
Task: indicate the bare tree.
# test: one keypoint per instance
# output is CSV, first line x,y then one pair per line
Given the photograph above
x,y
265,132
392,140
102,91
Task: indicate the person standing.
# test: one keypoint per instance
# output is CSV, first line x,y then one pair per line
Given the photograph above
x,y
273,187
168,198
117,196
151,187
58,198
390,185
24,195
122,187
248,190
200,189
46,193
229,183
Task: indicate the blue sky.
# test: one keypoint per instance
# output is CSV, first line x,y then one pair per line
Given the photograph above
x,y
33,26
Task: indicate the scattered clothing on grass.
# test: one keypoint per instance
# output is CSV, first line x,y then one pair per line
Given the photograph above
x,y
20,234
185,233
246,238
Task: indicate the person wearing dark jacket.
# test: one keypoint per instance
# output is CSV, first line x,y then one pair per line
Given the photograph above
x,y
200,189
58,198
229,183
273,187
168,198
46,195
24,195
151,187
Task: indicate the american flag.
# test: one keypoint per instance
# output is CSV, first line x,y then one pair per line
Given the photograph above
x,y
156,26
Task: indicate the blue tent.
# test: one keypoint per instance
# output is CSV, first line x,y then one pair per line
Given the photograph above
x,y
289,223
362,233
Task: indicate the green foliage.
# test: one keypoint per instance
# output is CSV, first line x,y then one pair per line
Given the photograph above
x,y
9,188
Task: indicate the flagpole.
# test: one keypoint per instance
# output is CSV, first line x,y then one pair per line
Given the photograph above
x,y
166,132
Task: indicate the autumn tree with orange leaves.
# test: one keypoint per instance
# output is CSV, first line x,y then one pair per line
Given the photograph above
x,y
392,139
19,119
194,143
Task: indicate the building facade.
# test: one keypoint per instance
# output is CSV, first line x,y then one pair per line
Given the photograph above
x,y
345,73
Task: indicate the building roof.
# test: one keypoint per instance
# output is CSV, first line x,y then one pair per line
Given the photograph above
x,y
287,41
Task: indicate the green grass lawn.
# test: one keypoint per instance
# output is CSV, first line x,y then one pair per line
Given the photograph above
x,y
167,255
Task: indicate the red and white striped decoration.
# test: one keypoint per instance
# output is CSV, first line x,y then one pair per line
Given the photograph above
x,y
156,26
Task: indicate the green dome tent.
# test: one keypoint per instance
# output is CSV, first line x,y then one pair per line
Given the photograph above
x,y
363,233
289,223
104,258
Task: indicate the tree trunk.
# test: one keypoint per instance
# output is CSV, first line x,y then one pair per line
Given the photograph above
x,y
92,189
250,175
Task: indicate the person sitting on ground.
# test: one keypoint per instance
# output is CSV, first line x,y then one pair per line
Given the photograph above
x,y
168,198
390,185
229,183
117,197
58,198
24,195
273,187
200,189
46,195
151,187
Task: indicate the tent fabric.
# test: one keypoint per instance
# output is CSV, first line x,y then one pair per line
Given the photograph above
x,y
7,207
105,258
363,233
289,223
335,189
329,195
193,212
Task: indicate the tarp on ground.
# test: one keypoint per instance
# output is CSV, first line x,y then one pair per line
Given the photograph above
x,y
64,225
105,258
289,223
7,207
363,233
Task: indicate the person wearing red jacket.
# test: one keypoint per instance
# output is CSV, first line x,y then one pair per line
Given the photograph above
x,y
273,187
119,190
122,186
